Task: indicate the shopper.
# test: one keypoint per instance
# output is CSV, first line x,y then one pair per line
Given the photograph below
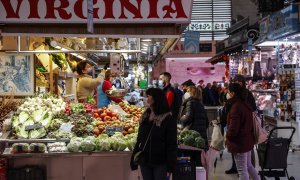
x,y
178,93
208,97
239,136
215,92
86,85
169,91
103,99
158,159
193,115
249,99
186,84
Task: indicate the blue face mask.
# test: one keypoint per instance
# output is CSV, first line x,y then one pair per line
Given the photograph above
x,y
90,72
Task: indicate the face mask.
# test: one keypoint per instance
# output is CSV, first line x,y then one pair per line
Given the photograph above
x,y
187,95
160,84
228,96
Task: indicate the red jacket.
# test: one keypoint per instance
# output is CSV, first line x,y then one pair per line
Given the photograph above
x,y
240,134
107,85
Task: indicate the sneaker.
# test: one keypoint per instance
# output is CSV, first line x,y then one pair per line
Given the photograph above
x,y
231,171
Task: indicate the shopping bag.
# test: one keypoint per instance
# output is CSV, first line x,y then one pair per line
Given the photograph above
x,y
207,160
217,140
260,134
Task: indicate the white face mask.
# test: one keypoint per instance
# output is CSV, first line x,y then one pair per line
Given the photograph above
x,y
160,84
228,96
186,95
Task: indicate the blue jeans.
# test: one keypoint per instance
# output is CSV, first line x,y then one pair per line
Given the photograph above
x,y
245,167
155,172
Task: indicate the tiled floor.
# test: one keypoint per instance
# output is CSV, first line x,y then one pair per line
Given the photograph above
x,y
225,163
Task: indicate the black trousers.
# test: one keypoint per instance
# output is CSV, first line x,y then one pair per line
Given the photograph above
x,y
155,172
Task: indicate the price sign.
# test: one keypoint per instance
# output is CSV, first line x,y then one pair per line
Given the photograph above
x,y
32,127
208,26
111,130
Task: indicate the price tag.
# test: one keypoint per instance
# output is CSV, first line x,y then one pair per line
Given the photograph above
x,y
66,127
32,127
111,130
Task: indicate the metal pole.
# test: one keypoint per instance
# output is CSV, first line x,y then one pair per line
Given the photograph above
x,y
19,44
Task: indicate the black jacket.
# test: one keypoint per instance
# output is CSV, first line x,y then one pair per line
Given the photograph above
x,y
162,145
194,115
175,107
249,99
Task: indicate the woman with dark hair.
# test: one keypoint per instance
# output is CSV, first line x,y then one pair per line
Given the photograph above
x,y
157,138
240,133
86,85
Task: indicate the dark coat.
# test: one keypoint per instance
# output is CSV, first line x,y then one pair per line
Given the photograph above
x,y
162,145
240,133
194,116
175,106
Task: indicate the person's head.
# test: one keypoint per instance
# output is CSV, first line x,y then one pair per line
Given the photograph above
x,y
83,67
165,78
194,92
235,90
201,82
215,83
240,79
208,85
186,84
175,85
109,76
157,101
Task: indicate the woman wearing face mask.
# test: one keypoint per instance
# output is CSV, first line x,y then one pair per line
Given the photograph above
x,y
157,138
193,115
86,85
103,99
239,136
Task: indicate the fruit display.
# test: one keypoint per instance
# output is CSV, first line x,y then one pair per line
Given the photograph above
x,y
133,112
192,138
106,118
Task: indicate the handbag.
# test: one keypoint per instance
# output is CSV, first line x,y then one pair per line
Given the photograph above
x,y
260,134
137,156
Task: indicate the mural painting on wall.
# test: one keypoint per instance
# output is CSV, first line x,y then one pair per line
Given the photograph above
x,y
196,71
16,75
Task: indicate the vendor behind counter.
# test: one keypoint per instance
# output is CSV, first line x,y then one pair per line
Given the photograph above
x,y
103,99
86,85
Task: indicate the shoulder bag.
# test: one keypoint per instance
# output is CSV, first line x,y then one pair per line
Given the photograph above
x,y
137,156
260,134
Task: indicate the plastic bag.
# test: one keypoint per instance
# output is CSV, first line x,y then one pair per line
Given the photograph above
x,y
207,160
117,109
217,140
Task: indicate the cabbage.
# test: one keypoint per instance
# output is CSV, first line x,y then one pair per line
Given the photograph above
x,y
38,115
118,135
118,144
87,145
131,143
76,139
20,147
103,144
73,146
37,147
37,133
23,116
21,133
46,122
15,122
103,136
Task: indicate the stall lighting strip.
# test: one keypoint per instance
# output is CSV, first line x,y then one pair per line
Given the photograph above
x,y
78,51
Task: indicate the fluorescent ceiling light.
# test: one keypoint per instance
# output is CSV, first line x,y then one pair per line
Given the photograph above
x,y
145,44
147,40
273,43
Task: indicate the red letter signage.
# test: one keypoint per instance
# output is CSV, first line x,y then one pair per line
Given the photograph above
x,y
153,9
178,9
108,9
130,7
61,10
10,13
34,9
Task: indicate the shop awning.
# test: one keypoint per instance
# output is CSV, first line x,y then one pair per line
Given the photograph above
x,y
221,57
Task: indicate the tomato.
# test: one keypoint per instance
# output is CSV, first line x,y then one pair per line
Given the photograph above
x,y
114,119
113,114
107,118
95,115
99,111
103,115
109,113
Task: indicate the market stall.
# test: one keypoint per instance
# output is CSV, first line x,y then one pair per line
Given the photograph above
x,y
40,48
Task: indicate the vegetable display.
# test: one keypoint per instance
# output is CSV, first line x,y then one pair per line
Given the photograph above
x,y
192,138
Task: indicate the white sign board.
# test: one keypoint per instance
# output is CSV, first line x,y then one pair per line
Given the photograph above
x,y
112,11
209,26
